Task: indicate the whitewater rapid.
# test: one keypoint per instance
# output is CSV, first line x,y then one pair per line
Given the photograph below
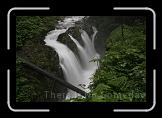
x,y
77,70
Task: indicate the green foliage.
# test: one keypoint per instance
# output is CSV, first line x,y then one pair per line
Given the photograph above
x,y
121,76
28,27
25,89
123,67
24,92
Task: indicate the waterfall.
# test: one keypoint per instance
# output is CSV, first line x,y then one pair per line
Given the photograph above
x,y
77,71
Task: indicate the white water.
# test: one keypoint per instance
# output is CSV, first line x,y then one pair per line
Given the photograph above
x,y
77,70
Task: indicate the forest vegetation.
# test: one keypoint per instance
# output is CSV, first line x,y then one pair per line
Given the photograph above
x,y
121,76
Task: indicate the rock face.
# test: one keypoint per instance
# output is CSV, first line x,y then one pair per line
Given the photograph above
x,y
104,25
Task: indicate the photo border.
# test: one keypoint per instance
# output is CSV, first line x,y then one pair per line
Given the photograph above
x,y
114,8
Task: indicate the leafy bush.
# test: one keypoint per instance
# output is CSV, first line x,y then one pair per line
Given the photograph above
x,y
123,67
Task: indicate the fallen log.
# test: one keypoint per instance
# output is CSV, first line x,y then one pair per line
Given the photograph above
x,y
53,77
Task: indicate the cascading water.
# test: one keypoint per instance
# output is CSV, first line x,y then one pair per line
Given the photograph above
x,y
77,71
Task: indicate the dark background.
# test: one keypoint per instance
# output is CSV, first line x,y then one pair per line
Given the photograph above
x,y
68,8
